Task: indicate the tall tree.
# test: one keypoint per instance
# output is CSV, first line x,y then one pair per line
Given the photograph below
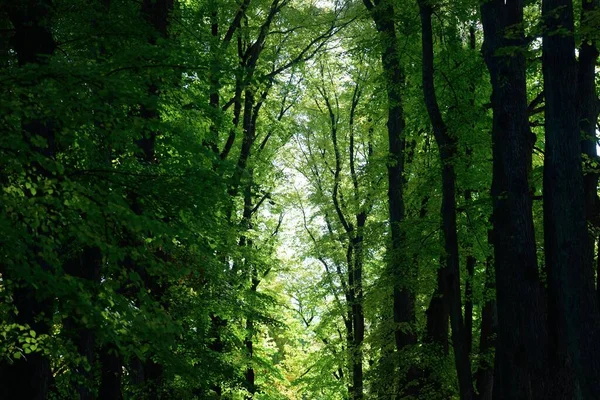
x,y
589,109
382,13
447,145
522,335
566,243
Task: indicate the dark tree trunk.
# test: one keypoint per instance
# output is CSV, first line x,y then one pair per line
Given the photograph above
x,y
522,335
485,372
598,268
29,377
471,262
350,324
358,243
217,324
249,375
358,316
400,269
570,272
85,266
382,13
436,334
250,269
589,106
111,370
447,148
437,327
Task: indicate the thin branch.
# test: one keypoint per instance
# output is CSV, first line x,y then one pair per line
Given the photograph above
x,y
235,23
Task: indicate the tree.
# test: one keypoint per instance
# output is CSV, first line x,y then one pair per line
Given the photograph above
x,y
382,13
447,144
34,43
194,203
566,243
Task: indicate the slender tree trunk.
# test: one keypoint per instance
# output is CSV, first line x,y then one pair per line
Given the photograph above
x,y
447,148
250,374
570,272
358,244
358,316
217,324
522,335
382,13
485,371
471,262
250,270
355,386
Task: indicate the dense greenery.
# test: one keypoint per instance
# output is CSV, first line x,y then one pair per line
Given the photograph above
x,y
299,199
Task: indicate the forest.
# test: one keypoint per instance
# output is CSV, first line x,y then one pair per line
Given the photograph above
x,y
299,199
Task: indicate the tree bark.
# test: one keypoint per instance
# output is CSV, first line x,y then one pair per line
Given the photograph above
x,y
571,275
447,145
522,335
358,316
382,13
589,107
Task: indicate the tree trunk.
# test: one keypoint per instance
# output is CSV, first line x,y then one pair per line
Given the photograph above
x,y
358,316
522,336
436,334
85,266
355,386
30,376
156,13
447,148
589,107
437,327
471,262
111,370
402,275
250,269
484,376
570,272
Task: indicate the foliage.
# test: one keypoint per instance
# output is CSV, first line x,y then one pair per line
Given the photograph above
x,y
194,196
